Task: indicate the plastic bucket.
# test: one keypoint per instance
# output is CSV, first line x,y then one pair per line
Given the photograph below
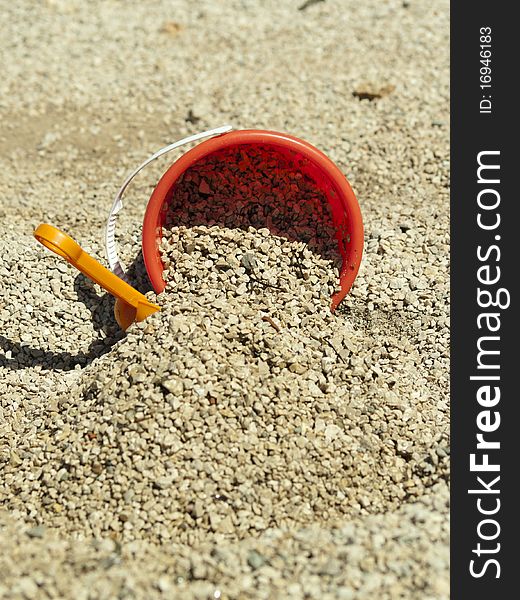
x,y
346,215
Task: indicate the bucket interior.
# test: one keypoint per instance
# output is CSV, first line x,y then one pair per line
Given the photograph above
x,y
261,186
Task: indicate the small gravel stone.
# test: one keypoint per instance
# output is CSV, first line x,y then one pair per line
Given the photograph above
x,y
255,560
36,532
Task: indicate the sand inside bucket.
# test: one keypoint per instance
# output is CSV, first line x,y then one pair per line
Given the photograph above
x,y
256,185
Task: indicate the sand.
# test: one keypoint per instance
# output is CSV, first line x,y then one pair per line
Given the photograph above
x,y
317,464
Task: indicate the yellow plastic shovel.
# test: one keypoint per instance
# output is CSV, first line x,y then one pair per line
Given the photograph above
x,y
130,306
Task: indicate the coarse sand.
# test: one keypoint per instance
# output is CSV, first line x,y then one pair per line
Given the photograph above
x,y
243,442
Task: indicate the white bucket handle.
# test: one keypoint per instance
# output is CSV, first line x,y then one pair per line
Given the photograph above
x,y
110,241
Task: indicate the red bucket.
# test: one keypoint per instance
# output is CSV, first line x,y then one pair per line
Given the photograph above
x,y
346,215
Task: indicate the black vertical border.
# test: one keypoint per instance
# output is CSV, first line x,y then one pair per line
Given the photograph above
x,y
471,133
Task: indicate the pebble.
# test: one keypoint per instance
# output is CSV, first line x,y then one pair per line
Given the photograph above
x,y
255,560
36,532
